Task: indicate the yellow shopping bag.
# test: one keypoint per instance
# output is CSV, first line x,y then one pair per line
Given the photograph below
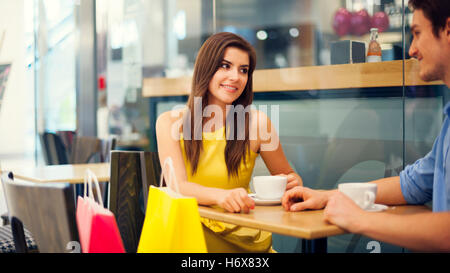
x,y
172,221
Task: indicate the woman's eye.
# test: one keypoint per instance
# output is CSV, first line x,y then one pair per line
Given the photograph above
x,y
244,70
225,65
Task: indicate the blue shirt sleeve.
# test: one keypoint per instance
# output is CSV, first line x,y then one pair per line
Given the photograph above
x,y
416,180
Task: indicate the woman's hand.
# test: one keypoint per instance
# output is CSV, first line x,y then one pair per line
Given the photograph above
x,y
293,180
236,200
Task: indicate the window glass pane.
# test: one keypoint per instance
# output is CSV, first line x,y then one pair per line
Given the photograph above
x,y
16,85
56,66
145,39
292,33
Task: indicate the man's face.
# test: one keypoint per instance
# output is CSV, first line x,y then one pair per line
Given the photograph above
x,y
431,51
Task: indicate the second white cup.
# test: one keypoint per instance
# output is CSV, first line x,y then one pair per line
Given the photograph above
x,y
362,194
269,187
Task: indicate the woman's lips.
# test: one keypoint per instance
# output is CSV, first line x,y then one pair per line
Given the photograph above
x,y
229,88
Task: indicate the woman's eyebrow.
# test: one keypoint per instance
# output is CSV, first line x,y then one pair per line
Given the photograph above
x,y
244,65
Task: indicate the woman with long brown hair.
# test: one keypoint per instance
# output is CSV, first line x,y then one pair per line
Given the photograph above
x,y
215,140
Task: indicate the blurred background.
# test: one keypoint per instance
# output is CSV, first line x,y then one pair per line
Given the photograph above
x,y
80,65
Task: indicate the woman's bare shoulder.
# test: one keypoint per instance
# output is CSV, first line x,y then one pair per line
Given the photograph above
x,y
258,118
170,117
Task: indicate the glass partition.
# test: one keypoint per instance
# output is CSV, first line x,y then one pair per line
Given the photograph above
x,y
52,55
345,114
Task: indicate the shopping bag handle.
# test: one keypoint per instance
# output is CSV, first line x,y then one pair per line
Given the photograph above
x,y
88,177
172,176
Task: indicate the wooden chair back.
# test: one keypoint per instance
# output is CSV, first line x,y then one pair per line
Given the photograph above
x,y
91,149
67,138
46,210
86,150
107,145
54,150
132,172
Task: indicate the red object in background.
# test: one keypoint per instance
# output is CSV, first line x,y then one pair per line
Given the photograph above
x,y
360,22
101,83
342,22
380,20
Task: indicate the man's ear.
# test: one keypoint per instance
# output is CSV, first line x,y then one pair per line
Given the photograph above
x,y
447,29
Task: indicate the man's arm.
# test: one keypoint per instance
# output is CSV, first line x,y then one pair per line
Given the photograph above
x,y
301,198
428,231
389,191
425,231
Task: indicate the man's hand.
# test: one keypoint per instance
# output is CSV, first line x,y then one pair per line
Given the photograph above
x,y
301,198
343,212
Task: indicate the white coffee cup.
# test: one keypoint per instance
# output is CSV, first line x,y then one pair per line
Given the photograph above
x,y
362,194
269,187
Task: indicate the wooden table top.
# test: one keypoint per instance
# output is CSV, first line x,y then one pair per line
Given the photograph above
x,y
68,173
305,224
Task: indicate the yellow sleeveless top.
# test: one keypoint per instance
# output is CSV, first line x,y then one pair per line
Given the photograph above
x,y
212,172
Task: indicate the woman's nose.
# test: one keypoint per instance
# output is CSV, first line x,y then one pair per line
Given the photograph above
x,y
233,74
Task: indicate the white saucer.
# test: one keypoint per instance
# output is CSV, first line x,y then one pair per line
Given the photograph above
x,y
377,207
264,202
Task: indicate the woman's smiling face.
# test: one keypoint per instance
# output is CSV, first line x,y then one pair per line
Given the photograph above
x,y
230,79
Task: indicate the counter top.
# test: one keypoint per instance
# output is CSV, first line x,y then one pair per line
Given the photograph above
x,y
326,77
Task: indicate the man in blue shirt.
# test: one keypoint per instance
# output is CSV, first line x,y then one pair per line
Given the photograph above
x,y
425,180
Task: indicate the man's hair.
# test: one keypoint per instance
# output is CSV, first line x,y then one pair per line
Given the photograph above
x,y
437,11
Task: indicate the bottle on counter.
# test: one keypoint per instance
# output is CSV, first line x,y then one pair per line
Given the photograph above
x,y
374,51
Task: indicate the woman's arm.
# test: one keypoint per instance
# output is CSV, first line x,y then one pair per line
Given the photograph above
x,y
268,143
167,134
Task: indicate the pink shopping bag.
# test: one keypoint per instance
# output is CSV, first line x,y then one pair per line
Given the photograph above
x,y
97,226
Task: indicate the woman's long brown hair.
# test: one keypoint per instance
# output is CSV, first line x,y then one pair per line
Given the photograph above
x,y
209,59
